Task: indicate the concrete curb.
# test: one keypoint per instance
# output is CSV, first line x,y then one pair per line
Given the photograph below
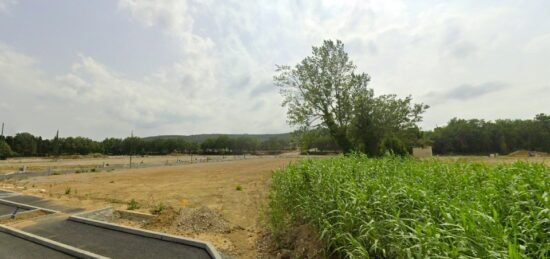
x,y
135,214
26,206
146,233
73,251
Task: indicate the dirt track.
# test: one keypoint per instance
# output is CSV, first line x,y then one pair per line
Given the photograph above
x,y
212,185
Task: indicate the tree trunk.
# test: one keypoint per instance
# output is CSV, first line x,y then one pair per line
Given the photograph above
x,y
339,134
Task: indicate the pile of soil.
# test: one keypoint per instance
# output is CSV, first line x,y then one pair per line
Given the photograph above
x,y
190,220
203,219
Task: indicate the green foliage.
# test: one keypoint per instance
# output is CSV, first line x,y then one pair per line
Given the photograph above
x,y
68,191
157,209
321,90
404,208
24,144
385,124
133,205
324,91
483,137
5,150
29,145
238,187
316,139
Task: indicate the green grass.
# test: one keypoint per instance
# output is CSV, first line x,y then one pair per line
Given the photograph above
x,y
133,205
400,207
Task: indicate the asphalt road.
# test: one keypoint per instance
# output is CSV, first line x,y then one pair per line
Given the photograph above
x,y
109,242
39,202
14,247
8,209
101,241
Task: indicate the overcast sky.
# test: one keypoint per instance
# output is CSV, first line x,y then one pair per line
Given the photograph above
x,y
104,68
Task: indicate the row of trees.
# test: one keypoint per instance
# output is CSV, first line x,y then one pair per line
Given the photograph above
x,y
25,144
461,136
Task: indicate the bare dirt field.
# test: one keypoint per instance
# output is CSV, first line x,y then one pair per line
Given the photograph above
x,y
223,200
98,161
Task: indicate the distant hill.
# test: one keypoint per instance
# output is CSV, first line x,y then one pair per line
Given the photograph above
x,y
201,137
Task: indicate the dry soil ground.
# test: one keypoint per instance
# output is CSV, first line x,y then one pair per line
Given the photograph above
x,y
91,161
220,202
224,198
495,160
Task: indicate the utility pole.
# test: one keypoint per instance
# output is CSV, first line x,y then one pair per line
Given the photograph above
x,y
56,144
1,135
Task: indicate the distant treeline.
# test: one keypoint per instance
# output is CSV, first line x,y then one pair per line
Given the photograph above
x,y
461,136
25,144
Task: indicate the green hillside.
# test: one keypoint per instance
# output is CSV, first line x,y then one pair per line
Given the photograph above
x,y
201,137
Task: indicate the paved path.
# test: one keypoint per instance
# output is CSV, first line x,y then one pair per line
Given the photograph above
x,y
14,247
98,240
42,203
109,242
8,209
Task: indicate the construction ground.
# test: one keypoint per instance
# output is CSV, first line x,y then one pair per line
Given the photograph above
x,y
218,202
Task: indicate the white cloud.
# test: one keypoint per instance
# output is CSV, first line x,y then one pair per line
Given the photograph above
x,y
6,5
228,49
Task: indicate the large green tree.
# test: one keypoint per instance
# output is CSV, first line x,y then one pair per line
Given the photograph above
x,y
385,124
321,90
5,150
325,91
24,144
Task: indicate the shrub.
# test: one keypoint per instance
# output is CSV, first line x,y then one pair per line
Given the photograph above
x,y
68,191
238,187
157,209
133,205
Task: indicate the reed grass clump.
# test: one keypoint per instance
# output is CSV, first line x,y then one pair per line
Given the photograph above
x,y
405,208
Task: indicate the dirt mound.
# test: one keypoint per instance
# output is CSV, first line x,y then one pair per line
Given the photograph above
x,y
203,219
190,220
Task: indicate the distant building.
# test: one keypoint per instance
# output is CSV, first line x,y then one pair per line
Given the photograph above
x,y
422,152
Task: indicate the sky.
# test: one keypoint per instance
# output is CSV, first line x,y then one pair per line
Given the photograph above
x,y
105,68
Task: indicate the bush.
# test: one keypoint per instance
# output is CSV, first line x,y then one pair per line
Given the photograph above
x,y
133,205
5,150
402,208
157,209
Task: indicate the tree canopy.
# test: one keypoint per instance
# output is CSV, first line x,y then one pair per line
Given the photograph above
x,y
5,150
476,136
325,91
